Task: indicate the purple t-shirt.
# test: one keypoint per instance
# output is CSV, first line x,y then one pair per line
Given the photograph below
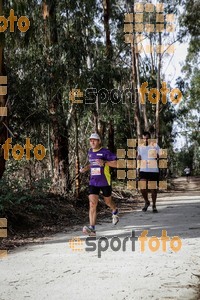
x,y
100,176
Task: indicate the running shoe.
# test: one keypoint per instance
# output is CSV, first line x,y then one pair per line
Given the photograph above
x,y
88,230
146,206
154,209
115,219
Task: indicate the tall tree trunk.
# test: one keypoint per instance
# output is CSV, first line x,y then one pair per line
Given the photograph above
x,y
58,125
111,133
77,183
142,107
109,56
49,149
135,82
106,9
158,88
95,120
3,98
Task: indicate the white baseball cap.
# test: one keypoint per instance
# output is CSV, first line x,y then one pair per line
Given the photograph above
x,y
95,136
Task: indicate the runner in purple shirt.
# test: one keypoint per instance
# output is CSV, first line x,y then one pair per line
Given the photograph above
x,y
100,161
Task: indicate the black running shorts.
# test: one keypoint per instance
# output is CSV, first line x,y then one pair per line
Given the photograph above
x,y
151,176
95,190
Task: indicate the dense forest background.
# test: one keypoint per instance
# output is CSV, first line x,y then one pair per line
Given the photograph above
x,y
80,45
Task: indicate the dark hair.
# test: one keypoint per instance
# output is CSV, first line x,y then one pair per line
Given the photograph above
x,y
146,133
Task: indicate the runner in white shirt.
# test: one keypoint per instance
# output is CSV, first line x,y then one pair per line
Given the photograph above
x,y
148,155
187,173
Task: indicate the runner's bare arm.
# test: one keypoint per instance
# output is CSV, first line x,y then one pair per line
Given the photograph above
x,y
85,169
139,161
112,163
102,163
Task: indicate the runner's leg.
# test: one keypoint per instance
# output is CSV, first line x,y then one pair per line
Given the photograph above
x,y
154,192
110,203
154,197
145,195
145,192
93,201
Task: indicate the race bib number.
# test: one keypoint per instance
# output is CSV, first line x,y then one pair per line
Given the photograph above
x,y
95,171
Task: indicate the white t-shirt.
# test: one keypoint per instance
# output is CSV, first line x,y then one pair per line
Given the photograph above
x,y
149,162
187,171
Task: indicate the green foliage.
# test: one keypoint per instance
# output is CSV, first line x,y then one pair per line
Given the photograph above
x,y
189,112
187,157
19,192
67,51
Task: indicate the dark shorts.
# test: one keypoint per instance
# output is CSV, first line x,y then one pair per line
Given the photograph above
x,y
95,190
151,176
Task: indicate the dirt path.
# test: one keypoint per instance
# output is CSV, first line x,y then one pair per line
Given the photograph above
x,y
52,270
